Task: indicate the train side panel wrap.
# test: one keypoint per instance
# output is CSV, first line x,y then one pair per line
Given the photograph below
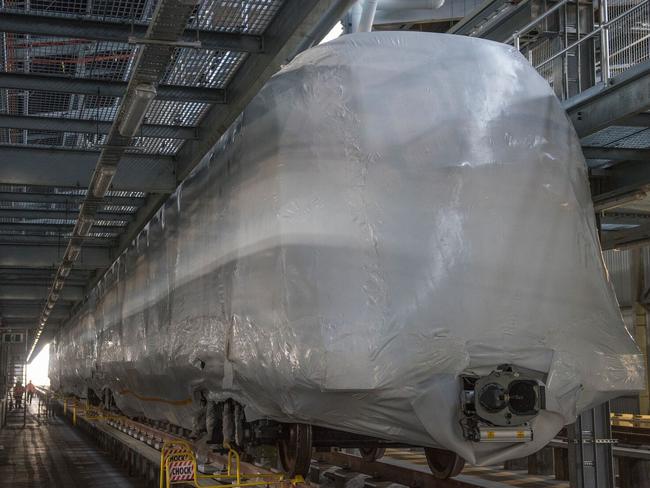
x,y
392,212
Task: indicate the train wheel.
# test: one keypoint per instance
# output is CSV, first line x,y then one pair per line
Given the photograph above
x,y
370,454
443,463
295,450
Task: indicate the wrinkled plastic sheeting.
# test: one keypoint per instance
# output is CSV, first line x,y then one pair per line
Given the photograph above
x,y
390,211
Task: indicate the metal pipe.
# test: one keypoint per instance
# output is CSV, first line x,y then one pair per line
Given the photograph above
x,y
565,60
409,4
533,23
368,15
604,42
354,16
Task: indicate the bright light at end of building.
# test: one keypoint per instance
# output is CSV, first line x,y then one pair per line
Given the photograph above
x,y
336,31
38,370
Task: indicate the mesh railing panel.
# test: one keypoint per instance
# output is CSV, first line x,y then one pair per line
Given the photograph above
x,y
629,37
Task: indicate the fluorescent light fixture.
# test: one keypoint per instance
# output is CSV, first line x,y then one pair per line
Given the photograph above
x,y
139,103
83,229
104,178
73,253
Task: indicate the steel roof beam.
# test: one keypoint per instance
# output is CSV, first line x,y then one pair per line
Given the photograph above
x,y
73,168
625,218
91,126
9,272
77,277
17,324
50,256
639,120
616,153
628,175
601,106
40,239
625,239
619,198
23,292
106,88
39,283
81,86
22,213
60,198
31,312
42,25
16,226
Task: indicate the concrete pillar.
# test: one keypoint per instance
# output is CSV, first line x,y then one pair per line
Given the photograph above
x,y
541,462
633,473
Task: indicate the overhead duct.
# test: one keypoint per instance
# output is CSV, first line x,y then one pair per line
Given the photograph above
x,y
368,15
361,15
409,4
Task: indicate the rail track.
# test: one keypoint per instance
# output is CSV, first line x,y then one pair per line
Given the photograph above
x,y
136,444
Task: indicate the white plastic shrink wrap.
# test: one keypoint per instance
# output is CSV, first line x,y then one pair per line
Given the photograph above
x,y
392,210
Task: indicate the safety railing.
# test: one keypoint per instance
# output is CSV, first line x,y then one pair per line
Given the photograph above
x,y
585,51
178,461
629,38
178,466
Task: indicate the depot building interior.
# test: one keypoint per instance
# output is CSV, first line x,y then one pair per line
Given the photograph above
x,y
210,215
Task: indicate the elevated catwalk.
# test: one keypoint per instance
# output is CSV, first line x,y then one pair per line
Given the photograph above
x,y
50,453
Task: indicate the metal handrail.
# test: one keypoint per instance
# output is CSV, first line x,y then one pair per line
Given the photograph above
x,y
594,32
517,34
602,29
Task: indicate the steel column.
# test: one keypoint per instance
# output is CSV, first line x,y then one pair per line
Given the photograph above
x,y
591,462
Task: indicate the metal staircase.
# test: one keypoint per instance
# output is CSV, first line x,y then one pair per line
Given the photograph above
x,y
574,44
561,28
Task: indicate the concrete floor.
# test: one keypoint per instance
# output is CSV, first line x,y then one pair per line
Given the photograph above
x,y
53,454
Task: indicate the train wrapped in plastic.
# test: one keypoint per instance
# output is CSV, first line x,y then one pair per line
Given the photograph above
x,y
395,240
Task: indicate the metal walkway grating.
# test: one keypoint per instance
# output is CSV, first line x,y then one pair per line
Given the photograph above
x,y
95,59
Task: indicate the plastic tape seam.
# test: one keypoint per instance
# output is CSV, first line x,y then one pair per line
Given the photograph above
x,y
187,401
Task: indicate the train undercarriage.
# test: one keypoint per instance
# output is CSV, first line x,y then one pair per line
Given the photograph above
x,y
223,425
496,407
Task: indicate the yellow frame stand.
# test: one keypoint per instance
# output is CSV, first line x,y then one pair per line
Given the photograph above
x,y
181,451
